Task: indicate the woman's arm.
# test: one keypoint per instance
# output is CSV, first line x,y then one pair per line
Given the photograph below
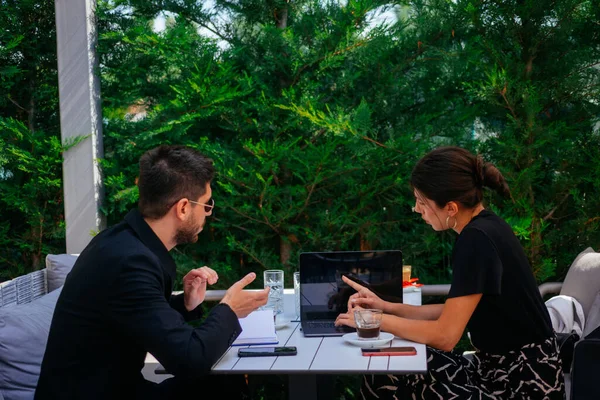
x,y
426,312
365,298
442,333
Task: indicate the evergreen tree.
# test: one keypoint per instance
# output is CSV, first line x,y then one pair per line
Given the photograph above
x,y
31,206
536,80
314,116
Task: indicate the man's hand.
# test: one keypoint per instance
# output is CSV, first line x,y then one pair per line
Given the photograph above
x,y
194,286
243,302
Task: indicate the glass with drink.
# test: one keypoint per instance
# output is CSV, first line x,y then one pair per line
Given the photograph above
x,y
273,278
406,270
368,323
297,294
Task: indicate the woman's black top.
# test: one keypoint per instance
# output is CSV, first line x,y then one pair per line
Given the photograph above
x,y
489,259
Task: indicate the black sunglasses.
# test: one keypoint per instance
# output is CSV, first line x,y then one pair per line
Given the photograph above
x,y
207,207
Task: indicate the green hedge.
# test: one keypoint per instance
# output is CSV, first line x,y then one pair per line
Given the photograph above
x,y
315,118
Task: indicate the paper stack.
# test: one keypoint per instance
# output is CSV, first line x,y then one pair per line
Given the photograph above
x,y
257,328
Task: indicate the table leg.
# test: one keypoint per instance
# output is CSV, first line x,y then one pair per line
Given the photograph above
x,y
310,386
302,387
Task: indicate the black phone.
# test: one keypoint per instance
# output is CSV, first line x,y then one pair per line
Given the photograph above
x,y
267,351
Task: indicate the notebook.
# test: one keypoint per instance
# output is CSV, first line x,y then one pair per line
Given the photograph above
x,y
257,328
323,294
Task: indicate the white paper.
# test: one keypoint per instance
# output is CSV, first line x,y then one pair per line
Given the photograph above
x,y
257,328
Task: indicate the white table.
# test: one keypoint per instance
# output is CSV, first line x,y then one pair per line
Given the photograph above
x,y
320,355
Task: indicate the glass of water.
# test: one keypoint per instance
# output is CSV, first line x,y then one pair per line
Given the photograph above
x,y
297,294
273,278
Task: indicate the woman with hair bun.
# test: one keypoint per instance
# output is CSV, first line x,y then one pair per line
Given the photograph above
x,y
493,295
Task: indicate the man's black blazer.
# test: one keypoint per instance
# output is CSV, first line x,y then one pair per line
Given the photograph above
x,y
115,306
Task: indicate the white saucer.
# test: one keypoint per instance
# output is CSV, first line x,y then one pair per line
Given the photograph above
x,y
281,324
384,338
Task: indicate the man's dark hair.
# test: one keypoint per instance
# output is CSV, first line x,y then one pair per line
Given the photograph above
x,y
454,174
169,173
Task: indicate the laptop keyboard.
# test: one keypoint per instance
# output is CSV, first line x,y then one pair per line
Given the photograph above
x,y
329,326
321,325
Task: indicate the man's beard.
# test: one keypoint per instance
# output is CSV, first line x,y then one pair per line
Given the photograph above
x,y
188,234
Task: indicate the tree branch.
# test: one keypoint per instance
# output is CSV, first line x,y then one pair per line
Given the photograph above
x,y
547,217
563,98
185,14
310,192
380,144
508,106
318,60
247,216
592,220
251,255
260,206
582,68
222,37
567,16
16,104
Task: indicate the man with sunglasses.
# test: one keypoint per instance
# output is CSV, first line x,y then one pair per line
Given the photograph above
x,y
116,303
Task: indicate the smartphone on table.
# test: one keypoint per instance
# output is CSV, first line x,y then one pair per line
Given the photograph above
x,y
267,351
390,351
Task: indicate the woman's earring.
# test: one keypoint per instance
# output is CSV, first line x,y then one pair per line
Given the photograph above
x,y
448,225
413,209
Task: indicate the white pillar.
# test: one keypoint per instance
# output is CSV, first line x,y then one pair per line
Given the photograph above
x,y
80,115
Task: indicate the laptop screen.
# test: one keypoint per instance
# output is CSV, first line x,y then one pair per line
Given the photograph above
x,y
323,294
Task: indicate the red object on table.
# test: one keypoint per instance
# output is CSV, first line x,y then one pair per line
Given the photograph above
x,y
412,282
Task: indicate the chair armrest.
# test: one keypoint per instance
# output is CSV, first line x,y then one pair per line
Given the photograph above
x,y
550,287
24,289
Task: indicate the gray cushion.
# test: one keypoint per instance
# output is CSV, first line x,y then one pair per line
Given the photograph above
x,y
58,267
583,279
23,336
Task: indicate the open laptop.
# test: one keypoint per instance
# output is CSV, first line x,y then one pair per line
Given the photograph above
x,y
323,294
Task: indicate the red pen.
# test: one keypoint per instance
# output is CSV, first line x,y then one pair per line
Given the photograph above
x,y
390,351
